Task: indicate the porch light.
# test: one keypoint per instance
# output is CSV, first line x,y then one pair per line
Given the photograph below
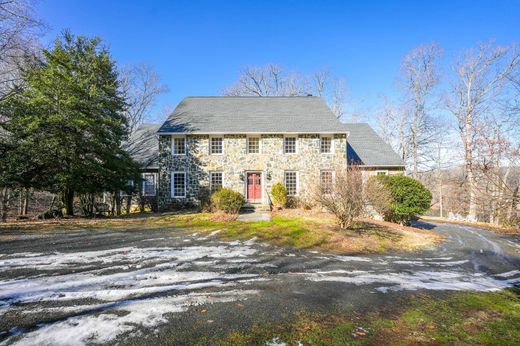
x,y
241,176
268,175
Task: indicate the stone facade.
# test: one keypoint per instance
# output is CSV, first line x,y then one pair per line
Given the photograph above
x,y
235,162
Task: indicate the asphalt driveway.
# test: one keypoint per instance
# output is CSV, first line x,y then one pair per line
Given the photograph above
x,y
171,286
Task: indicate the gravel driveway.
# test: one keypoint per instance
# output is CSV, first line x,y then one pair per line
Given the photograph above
x,y
157,286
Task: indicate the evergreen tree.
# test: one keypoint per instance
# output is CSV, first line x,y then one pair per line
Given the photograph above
x,y
68,122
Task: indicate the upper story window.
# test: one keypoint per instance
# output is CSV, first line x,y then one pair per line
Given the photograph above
x,y
178,145
289,145
149,184
326,181
325,145
253,145
382,172
291,183
216,145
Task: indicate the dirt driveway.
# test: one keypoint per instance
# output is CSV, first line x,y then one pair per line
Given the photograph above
x,y
171,286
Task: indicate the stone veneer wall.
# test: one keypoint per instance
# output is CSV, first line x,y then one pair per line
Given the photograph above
x,y
235,161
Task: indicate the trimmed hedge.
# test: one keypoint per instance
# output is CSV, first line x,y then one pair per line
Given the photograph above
x,y
408,198
279,195
227,200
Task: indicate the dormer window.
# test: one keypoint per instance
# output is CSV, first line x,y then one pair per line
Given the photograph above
x,y
216,145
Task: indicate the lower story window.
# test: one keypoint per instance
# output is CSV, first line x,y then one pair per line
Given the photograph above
x,y
179,184
290,182
215,181
326,181
149,184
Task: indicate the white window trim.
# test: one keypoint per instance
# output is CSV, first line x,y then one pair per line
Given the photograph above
x,y
259,144
211,172
297,181
171,184
155,185
173,145
331,144
295,145
209,145
385,171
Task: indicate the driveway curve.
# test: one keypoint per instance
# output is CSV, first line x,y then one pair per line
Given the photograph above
x,y
81,287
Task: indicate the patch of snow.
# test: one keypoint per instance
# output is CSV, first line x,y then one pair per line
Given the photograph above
x,y
107,326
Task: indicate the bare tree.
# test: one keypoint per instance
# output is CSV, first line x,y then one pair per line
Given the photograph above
x,y
341,194
20,29
393,125
141,86
481,80
419,76
274,80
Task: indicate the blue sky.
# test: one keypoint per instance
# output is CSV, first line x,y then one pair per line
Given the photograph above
x,y
198,47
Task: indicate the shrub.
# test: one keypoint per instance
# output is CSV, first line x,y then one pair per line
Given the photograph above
x,y
227,201
408,198
344,197
279,195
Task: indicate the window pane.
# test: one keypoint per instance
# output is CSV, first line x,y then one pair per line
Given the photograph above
x,y
149,184
215,181
253,145
326,181
289,145
290,183
326,144
179,146
179,186
216,146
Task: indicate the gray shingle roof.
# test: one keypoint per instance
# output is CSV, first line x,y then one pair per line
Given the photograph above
x,y
143,145
228,114
365,146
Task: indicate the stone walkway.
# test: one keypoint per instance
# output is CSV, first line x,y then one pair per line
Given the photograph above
x,y
257,215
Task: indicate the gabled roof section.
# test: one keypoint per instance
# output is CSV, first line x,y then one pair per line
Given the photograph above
x,y
143,145
250,114
367,148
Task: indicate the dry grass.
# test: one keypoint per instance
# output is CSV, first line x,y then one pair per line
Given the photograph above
x,y
301,229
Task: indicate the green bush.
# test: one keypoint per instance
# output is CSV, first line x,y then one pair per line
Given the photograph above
x,y
227,200
279,195
402,199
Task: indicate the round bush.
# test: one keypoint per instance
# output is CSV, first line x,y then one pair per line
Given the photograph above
x,y
408,198
227,200
279,195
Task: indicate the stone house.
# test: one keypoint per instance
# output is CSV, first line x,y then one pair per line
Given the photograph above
x,y
249,143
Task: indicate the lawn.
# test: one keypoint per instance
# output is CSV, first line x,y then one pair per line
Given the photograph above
x,y
293,228
466,318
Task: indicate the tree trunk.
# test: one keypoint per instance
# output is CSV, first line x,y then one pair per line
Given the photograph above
x,y
68,200
4,199
128,204
118,203
25,209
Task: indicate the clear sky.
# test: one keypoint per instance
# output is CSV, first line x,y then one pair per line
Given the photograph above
x,y
198,47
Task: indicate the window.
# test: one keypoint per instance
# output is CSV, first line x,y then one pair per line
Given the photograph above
x,y
253,145
290,180
325,145
215,145
382,172
178,184
128,188
215,181
289,145
326,180
178,146
148,184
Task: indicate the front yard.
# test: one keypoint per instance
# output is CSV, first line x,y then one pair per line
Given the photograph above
x,y
300,229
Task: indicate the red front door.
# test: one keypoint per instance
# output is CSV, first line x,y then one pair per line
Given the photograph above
x,y
254,187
